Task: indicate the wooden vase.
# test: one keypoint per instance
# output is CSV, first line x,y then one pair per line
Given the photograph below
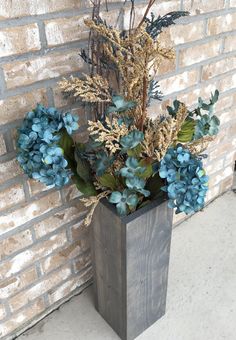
x,y
130,261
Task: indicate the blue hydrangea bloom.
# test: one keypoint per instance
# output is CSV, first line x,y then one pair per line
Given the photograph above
x,y
187,183
39,154
124,201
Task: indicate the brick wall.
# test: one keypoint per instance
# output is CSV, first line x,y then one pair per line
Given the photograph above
x,y
44,252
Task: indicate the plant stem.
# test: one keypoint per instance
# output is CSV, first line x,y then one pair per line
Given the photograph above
x,y
150,4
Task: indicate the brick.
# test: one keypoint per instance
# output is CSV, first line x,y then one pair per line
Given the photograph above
x,y
212,193
191,97
158,107
69,286
39,289
70,192
232,3
29,256
11,196
219,67
22,318
230,43
222,175
17,8
2,312
223,23
15,242
181,34
63,30
201,52
22,73
202,6
3,149
14,108
36,187
227,83
227,116
225,102
214,167
59,219
9,170
226,184
19,40
230,158
60,99
179,82
82,261
69,252
29,211
14,284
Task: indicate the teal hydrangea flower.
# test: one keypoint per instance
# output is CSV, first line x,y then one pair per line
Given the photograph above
x,y
39,154
187,183
130,141
124,201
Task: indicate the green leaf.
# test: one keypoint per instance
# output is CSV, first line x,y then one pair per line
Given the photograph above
x,y
87,188
83,168
187,131
149,169
109,181
154,185
67,144
135,152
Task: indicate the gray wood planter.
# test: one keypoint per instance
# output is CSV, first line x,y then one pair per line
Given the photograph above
x,y
130,261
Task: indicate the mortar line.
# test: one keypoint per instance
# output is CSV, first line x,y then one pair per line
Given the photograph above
x,y
46,275
41,218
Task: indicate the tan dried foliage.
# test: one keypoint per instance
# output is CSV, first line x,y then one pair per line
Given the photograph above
x,y
199,145
163,132
92,202
109,135
134,55
93,89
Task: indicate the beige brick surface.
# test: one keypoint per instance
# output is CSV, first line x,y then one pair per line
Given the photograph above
x,y
180,34
196,54
29,256
23,73
71,192
222,24
2,145
14,243
232,3
2,312
82,261
11,196
70,285
18,40
29,211
227,83
179,82
69,252
18,8
9,170
219,67
202,6
39,289
36,187
14,284
63,30
15,107
22,317
230,43
58,219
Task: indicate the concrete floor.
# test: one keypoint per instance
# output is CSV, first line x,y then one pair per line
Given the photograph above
x,y
201,294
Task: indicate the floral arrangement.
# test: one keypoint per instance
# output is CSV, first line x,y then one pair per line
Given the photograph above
x,y
129,158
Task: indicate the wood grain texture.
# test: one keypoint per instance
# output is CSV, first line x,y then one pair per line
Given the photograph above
x,y
131,260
